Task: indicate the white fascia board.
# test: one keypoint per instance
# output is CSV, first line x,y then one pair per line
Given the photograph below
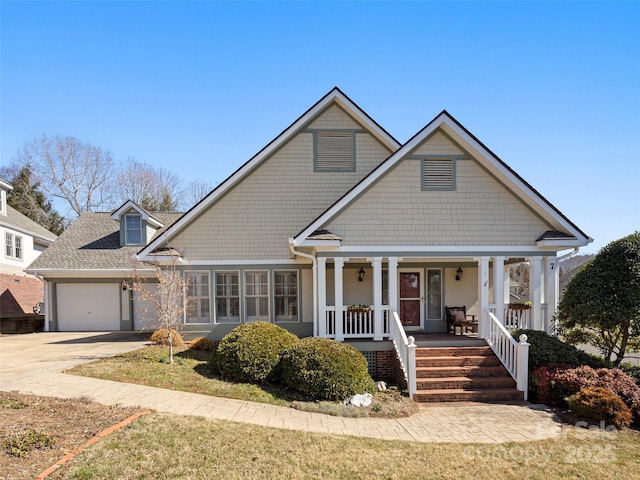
x,y
287,261
97,273
43,240
319,243
6,186
560,244
334,96
129,204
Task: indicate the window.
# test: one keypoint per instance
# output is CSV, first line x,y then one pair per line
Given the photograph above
x,y
227,297
13,246
434,294
198,310
256,296
133,230
285,294
334,151
438,174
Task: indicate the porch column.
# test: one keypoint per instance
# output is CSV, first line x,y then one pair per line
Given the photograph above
x,y
551,282
393,284
320,329
377,298
498,287
483,296
338,265
535,292
507,285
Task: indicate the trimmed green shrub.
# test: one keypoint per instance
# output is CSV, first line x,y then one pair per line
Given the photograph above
x,y
598,403
546,351
326,369
161,337
251,352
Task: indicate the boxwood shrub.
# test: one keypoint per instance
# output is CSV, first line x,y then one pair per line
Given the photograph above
x,y
251,352
326,369
598,403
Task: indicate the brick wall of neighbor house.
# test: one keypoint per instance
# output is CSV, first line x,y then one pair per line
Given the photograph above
x,y
18,294
475,213
277,200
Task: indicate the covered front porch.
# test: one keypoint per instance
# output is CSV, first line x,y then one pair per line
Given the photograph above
x,y
356,297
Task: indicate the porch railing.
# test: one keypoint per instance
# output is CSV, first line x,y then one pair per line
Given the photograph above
x,y
515,319
406,350
513,355
356,324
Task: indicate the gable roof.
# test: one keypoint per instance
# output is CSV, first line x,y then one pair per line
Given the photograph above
x,y
469,143
92,244
334,97
23,224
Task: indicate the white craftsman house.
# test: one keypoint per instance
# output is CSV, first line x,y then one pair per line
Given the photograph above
x,y
335,229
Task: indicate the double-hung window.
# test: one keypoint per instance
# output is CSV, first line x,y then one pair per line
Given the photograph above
x,y
133,230
13,246
286,295
256,296
198,309
227,297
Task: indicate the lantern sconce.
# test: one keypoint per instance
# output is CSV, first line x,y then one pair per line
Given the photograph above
x,y
459,274
361,274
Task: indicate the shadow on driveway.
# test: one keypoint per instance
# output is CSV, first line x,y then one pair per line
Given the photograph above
x,y
101,337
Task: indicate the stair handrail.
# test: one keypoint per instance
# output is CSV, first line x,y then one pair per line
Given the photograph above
x,y
513,355
406,350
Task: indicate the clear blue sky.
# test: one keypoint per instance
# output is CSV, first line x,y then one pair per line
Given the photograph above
x,y
200,87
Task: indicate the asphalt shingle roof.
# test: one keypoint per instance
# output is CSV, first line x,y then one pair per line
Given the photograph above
x,y
16,220
93,242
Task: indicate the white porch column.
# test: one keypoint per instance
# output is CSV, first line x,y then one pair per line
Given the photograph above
x,y
507,284
320,329
338,265
535,292
483,296
393,285
377,298
498,287
551,285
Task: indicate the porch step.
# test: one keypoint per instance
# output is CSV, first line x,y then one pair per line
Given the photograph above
x,y
456,374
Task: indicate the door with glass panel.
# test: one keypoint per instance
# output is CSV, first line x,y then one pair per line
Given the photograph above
x,y
198,298
256,296
411,298
434,321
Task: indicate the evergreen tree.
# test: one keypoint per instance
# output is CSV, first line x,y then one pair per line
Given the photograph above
x,y
27,198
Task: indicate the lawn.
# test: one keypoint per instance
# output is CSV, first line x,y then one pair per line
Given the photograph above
x,y
191,372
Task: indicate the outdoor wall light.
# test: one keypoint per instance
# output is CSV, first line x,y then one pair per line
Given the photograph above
x,y
361,274
458,274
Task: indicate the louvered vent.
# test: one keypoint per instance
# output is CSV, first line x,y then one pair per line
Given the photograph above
x,y
437,174
334,152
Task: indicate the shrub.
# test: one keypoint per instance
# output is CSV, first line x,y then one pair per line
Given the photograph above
x,y
251,352
204,344
598,403
20,444
161,337
618,382
631,370
546,351
326,369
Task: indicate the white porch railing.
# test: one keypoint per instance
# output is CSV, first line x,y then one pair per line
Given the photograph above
x,y
516,319
406,351
356,324
513,355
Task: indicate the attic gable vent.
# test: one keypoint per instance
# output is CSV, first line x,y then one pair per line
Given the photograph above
x,y
438,174
334,151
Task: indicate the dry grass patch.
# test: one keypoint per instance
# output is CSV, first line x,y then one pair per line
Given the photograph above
x,y
170,446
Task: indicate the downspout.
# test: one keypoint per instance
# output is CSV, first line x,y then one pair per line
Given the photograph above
x,y
47,303
314,262
567,255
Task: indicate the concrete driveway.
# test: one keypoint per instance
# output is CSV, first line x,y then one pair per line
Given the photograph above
x,y
51,352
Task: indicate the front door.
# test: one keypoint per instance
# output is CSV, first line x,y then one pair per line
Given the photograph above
x,y
411,299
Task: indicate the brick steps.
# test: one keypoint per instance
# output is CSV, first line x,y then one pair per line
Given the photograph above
x,y
458,374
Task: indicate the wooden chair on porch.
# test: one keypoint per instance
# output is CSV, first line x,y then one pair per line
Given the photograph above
x,y
457,317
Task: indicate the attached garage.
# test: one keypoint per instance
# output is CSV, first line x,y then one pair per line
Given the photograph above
x,y
88,307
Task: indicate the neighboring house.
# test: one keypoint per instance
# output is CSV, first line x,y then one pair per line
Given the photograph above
x,y
23,240
333,212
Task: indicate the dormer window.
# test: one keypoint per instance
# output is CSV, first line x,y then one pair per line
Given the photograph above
x,y
133,229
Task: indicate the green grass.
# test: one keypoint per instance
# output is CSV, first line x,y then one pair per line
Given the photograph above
x,y
165,446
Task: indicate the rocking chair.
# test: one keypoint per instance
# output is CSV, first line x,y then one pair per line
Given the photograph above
x,y
456,317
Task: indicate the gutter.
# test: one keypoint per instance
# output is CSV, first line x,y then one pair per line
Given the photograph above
x,y
570,254
314,262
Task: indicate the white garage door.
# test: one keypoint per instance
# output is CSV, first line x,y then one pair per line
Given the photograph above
x,y
88,307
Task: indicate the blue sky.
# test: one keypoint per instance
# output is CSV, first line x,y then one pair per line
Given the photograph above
x,y
200,87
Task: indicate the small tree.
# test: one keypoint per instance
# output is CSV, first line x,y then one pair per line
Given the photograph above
x,y
601,305
165,290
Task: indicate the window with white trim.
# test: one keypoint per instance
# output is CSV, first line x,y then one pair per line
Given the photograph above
x,y
285,294
227,297
256,296
13,246
198,298
438,174
334,151
132,229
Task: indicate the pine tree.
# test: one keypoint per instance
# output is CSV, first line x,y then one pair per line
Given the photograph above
x,y
27,198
